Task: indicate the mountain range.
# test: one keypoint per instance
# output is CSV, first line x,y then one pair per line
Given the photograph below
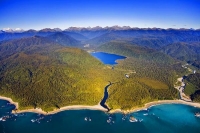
x,y
183,44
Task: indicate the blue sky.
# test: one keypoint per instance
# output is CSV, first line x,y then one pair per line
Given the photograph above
x,y
39,14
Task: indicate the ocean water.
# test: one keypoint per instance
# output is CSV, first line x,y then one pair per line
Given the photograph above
x,y
165,118
107,58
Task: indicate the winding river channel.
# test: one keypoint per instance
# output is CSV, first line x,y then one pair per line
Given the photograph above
x,y
109,59
105,97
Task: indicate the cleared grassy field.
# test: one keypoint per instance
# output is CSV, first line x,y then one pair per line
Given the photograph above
x,y
155,84
189,89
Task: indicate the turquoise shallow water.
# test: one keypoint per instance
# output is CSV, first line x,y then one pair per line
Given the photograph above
x,y
165,118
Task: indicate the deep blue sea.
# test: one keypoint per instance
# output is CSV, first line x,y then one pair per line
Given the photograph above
x,y
165,118
107,58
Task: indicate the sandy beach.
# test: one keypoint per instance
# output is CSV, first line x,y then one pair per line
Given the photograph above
x,y
73,107
150,104
40,111
10,100
99,107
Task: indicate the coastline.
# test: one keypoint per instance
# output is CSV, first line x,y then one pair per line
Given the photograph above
x,y
9,100
40,111
154,103
72,107
98,107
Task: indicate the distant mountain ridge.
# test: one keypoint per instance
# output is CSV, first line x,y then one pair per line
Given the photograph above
x,y
64,39
150,37
183,51
169,41
107,37
72,29
9,48
31,32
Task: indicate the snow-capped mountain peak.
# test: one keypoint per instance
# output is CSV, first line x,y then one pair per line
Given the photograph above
x,y
7,30
18,30
12,30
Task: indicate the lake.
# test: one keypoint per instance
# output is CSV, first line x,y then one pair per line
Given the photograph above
x,y
165,118
107,58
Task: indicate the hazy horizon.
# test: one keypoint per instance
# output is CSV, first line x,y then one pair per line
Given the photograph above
x,y
40,14
20,29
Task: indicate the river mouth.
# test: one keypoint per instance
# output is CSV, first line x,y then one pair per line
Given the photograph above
x,y
103,101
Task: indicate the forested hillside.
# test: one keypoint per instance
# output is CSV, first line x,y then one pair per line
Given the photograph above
x,y
135,51
193,86
183,51
64,40
152,76
39,73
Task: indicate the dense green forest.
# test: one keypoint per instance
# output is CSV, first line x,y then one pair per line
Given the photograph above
x,y
152,76
183,51
193,86
47,75
38,72
139,52
64,39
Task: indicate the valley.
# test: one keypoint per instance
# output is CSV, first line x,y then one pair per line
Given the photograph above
x,y
49,70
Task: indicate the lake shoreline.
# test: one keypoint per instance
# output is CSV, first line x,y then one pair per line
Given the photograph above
x,y
90,51
97,107
106,62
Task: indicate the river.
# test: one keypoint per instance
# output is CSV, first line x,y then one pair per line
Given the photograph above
x,y
105,97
